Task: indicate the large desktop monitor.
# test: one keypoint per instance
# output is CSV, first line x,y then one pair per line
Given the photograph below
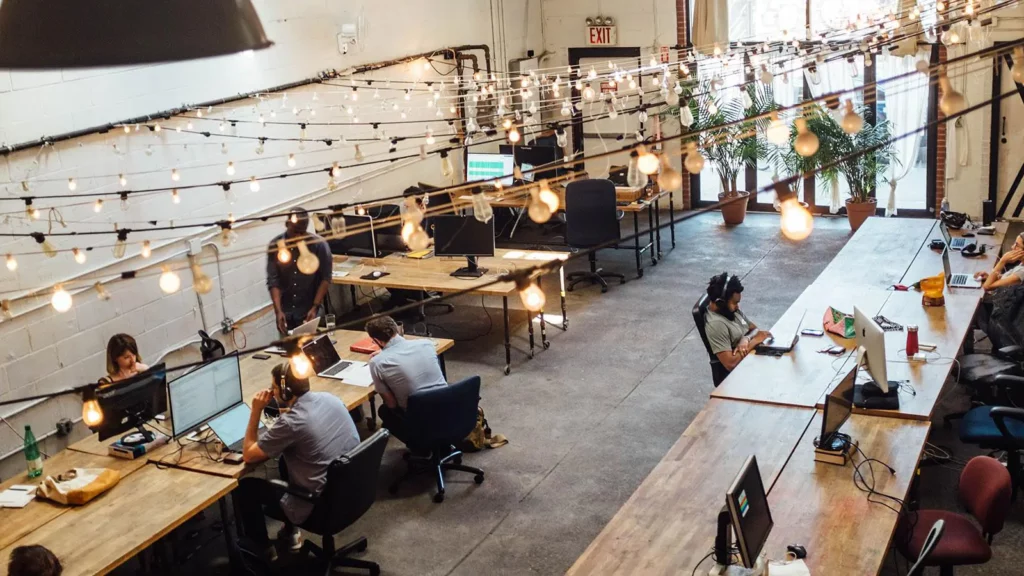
x,y
838,406
463,236
747,502
880,393
530,157
489,167
128,404
204,393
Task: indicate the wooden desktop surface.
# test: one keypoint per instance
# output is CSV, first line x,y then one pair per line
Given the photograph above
x,y
818,506
929,262
669,523
879,254
17,522
143,507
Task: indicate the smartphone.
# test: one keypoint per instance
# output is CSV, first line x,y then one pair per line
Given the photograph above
x,y
837,350
812,332
261,356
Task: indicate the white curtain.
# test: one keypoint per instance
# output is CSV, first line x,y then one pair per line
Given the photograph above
x,y
835,76
906,104
710,25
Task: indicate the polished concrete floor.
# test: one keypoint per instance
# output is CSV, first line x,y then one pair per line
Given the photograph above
x,y
590,417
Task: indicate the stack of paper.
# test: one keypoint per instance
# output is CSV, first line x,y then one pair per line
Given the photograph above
x,y
17,496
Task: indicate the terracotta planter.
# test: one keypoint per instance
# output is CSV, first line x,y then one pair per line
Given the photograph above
x,y
735,212
858,212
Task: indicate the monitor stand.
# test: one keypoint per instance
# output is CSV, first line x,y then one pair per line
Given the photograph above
x,y
870,396
470,271
138,438
723,551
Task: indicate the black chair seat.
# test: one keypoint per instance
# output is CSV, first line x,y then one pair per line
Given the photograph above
x,y
979,428
978,369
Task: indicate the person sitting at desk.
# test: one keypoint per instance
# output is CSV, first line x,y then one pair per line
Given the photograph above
x,y
399,369
297,297
33,561
728,330
1000,277
314,429
123,359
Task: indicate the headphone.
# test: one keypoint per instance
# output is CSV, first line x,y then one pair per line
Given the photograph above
x,y
730,287
281,385
972,250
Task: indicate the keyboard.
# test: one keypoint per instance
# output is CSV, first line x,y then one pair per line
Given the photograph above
x,y
337,368
957,243
958,280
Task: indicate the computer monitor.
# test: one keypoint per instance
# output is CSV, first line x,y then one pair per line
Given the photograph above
x,y
747,502
128,404
871,348
489,167
838,406
204,393
530,157
464,236
358,240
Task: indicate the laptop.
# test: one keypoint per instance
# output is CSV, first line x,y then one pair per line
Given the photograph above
x,y
306,328
953,243
957,280
230,427
782,343
328,364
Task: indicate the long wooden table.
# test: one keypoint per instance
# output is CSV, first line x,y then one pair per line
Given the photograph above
x,y
434,275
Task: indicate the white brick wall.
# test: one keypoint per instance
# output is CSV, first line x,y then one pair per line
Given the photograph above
x,y
45,351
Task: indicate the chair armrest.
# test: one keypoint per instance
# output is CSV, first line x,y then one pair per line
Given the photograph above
x,y
1005,381
293,490
1010,353
1000,414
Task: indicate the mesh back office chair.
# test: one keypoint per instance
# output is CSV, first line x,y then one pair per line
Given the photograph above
x,y
439,418
591,220
700,310
985,493
998,428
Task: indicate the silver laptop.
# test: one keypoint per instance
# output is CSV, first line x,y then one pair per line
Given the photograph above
x,y
782,343
957,280
306,328
230,427
327,362
953,243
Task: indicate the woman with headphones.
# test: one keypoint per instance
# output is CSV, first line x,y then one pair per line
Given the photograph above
x,y
729,332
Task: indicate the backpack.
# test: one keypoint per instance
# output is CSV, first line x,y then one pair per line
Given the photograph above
x,y
209,347
481,436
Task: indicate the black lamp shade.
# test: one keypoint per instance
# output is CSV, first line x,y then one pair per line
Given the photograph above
x,y
87,33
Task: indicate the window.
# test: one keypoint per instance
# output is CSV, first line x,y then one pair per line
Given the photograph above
x,y
905,105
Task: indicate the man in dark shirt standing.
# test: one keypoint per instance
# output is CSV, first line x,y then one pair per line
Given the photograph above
x,y
297,297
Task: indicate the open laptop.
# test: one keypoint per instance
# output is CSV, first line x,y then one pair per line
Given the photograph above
x,y
230,427
782,343
957,280
953,243
328,364
304,329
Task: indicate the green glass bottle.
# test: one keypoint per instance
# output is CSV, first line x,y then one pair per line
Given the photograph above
x,y
32,455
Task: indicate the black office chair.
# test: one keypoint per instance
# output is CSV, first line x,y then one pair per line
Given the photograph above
x,y
590,220
438,418
350,491
998,428
700,310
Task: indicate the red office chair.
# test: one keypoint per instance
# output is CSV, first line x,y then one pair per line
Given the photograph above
x,y
985,493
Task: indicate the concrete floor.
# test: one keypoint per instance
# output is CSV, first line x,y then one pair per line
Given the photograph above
x,y
590,417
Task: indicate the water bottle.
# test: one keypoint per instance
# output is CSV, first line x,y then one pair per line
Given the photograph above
x,y
32,456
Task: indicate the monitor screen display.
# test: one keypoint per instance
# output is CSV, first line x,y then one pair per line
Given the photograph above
x,y
838,405
204,393
358,237
489,167
463,236
748,506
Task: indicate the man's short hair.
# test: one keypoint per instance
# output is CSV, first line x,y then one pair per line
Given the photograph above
x,y
412,191
723,286
299,212
34,560
384,328
297,386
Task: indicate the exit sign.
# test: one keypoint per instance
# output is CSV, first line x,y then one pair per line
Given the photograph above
x,y
601,36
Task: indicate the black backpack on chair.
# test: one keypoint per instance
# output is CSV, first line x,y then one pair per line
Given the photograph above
x,y
210,347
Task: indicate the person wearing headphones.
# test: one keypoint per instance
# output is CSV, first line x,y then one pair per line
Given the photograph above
x,y
730,333
314,429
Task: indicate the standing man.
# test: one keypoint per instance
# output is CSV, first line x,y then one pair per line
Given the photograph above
x,y
297,297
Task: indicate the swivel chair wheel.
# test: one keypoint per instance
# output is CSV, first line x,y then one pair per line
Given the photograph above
x,y
439,497
569,289
622,281
457,460
479,478
604,289
375,571
362,546
547,345
508,370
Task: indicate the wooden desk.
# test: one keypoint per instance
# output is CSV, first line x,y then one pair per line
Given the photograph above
x,y
434,275
802,376
142,508
18,522
669,523
929,262
818,506
880,253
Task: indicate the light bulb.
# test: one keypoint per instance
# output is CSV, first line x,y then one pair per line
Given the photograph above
x,y
284,255
227,235
806,143
174,175
307,263
291,160
418,240
951,102
79,255
446,166
430,140
121,245
48,248
72,185
548,197
61,300
669,178
92,414
685,116
97,206
12,263
254,184
1018,65
101,292
359,157
797,221
127,129
175,197
122,180
766,75
634,177
531,294
156,127
513,135
169,281
5,309
646,162
230,169
777,131
694,161
482,210
538,210
124,201
222,126
561,139
301,366
146,250
30,210
588,93
852,122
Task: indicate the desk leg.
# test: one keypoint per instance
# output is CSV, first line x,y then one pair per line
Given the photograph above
x,y
371,422
636,244
508,341
561,280
543,332
229,529
672,217
352,290
657,223
444,369
529,326
650,233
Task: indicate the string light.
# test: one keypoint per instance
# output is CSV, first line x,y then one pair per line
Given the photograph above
x,y
358,156
291,160
169,280
669,178
175,197
254,184
92,414
1018,65
101,292
61,300
5,309
30,210
122,180
12,263
694,161
124,201
230,169
777,131
532,296
72,185
48,248
797,221
121,245
307,263
537,209
97,206
806,143
446,165
300,364
951,102
78,255
284,255
852,123
482,210
174,175
513,135
201,283
146,250
646,162
430,140
227,235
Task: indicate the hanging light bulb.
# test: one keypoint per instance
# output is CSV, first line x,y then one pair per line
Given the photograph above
x,y
227,235
48,248
686,115
852,122
646,162
1018,65
175,197
561,139
951,102
307,263
513,135
694,161
634,177
446,165
806,143
174,175
531,294
97,206
230,169
482,210
300,364
122,180
430,140
201,283
797,221
92,414
124,201
101,292
359,154
777,131
169,281
5,309
766,75
78,255
72,185
30,211
538,210
188,126
127,129
12,263
254,184
284,255
147,250
669,178
61,300
121,245
291,160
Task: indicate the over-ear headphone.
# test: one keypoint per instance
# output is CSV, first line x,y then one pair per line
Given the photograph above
x,y
973,250
283,390
730,288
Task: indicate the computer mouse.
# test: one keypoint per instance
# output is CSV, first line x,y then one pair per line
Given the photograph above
x,y
376,274
968,235
798,551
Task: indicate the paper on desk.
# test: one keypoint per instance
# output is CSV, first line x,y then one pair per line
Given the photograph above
x,y
17,496
358,374
794,568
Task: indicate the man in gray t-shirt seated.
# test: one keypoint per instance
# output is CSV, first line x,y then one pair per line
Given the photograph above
x,y
730,334
314,429
399,369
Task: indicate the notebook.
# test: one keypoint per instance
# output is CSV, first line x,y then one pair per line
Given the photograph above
x,y
364,346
